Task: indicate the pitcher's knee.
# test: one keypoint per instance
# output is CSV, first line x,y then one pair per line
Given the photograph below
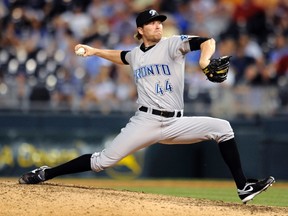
x,y
225,131
99,161
95,165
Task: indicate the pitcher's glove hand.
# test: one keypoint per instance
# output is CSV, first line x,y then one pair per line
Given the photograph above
x,y
217,69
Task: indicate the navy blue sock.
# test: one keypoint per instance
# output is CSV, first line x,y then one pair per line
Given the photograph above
x,y
231,157
77,165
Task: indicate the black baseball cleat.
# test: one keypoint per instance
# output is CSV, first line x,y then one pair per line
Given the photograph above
x,y
254,187
34,177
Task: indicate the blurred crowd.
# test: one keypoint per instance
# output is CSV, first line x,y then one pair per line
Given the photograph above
x,y
38,67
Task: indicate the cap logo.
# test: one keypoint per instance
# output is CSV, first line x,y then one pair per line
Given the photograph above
x,y
152,12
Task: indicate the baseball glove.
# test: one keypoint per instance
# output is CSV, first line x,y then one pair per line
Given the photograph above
x,y
217,69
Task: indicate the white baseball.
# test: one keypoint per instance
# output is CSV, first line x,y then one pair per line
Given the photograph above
x,y
80,51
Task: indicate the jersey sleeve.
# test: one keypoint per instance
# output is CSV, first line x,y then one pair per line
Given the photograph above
x,y
126,57
179,45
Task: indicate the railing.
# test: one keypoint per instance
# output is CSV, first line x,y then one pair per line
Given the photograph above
x,y
225,102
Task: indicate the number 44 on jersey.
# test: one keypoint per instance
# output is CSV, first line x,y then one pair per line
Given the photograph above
x,y
161,88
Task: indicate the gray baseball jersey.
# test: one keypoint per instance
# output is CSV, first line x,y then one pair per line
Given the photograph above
x,y
159,73
159,77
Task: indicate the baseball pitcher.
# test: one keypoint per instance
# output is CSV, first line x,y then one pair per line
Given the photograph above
x,y
158,69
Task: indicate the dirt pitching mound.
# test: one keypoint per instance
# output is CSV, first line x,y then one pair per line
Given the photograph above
x,y
68,199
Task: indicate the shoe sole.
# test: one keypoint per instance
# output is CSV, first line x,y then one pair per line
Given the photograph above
x,y
21,181
250,197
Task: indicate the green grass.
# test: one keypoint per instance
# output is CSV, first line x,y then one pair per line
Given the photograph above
x,y
275,196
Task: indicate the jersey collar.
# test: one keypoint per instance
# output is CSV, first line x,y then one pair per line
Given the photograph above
x,y
144,49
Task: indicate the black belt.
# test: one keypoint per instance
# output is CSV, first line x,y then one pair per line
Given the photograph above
x,y
161,113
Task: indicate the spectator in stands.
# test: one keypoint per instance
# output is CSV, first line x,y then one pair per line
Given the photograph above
x,y
94,65
125,92
64,92
277,55
280,48
78,21
243,65
99,92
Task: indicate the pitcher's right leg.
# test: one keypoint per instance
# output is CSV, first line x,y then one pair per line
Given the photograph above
x,y
140,132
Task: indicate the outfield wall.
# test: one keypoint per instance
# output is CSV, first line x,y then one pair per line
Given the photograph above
x,y
28,140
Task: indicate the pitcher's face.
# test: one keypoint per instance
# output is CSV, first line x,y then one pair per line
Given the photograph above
x,y
151,32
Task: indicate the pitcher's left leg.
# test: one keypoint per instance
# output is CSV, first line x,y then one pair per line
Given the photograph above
x,y
196,129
